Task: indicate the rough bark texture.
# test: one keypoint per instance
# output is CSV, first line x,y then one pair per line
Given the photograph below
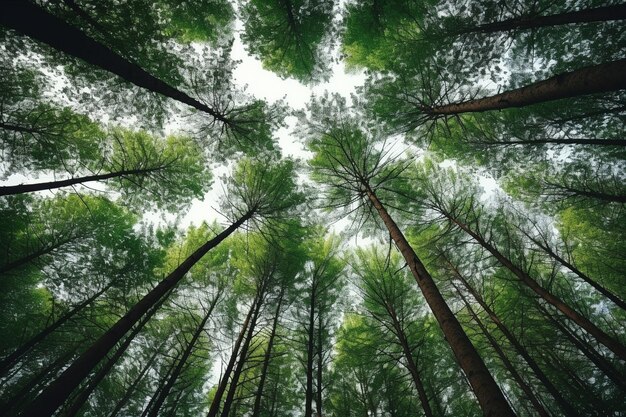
x,y
610,76
58,391
51,185
611,343
35,22
599,14
490,397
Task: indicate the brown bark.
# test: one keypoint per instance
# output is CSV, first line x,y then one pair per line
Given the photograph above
x,y
51,185
490,397
599,14
611,343
609,76
57,392
32,20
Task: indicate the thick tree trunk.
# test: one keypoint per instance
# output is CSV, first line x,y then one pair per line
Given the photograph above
x,y
310,352
490,397
505,360
232,389
610,76
608,294
57,392
32,20
221,388
256,409
599,14
10,360
51,185
521,350
156,408
611,343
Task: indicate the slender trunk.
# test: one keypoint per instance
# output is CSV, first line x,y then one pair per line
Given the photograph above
x,y
609,76
32,20
18,128
8,362
490,397
308,398
319,387
181,362
104,370
505,360
608,294
217,399
256,410
128,393
175,404
170,369
228,401
57,392
599,14
521,350
575,192
595,357
51,185
32,256
608,341
539,142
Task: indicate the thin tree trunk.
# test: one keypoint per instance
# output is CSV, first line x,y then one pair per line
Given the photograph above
x,y
10,360
490,397
256,409
539,142
308,395
615,346
154,412
599,14
575,192
609,76
58,391
35,22
608,294
32,256
221,388
170,369
51,185
505,360
319,387
521,350
128,393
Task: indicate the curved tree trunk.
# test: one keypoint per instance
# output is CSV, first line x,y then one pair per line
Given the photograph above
x,y
490,397
609,76
599,14
32,20
58,391
51,185
611,343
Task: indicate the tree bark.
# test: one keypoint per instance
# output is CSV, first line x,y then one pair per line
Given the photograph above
x,y
611,343
490,397
609,76
10,360
51,185
57,392
35,22
521,350
505,360
154,412
599,14
256,409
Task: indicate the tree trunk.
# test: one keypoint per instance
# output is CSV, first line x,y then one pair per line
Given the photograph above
x,y
310,352
599,14
128,393
51,185
608,294
615,346
154,412
609,76
319,387
10,360
505,360
35,22
539,142
32,256
575,192
521,350
170,369
267,358
57,392
490,397
217,399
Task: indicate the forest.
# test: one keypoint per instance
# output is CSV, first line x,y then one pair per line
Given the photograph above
x,y
439,230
